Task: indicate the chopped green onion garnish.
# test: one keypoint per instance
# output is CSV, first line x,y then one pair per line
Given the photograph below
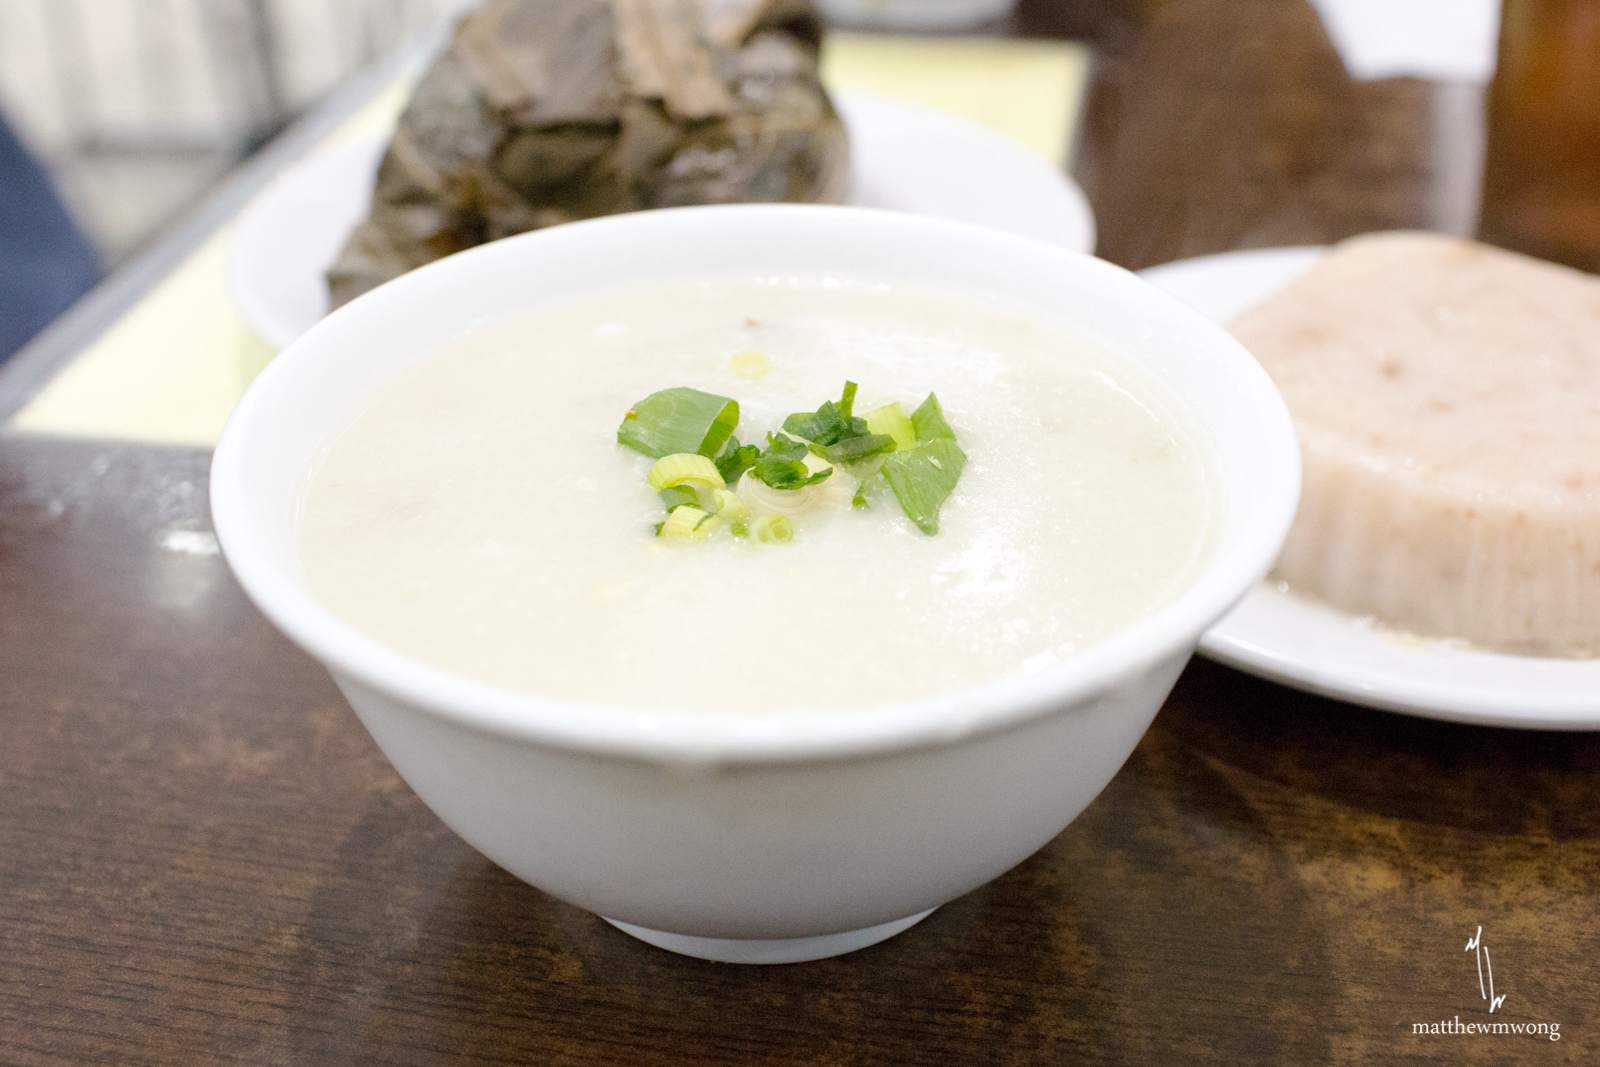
x,y
685,468
748,364
773,529
677,496
736,459
928,421
830,423
730,508
836,435
847,403
923,477
688,524
783,466
690,434
891,419
679,420
819,425
857,449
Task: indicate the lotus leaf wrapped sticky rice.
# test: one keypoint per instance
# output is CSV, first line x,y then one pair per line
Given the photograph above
x,y
548,111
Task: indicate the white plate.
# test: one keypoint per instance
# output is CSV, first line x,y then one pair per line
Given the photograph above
x,y
1320,649
904,157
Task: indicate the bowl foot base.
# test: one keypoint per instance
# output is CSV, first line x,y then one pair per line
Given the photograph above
x,y
784,950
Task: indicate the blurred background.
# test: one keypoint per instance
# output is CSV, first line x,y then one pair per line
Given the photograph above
x,y
138,106
1206,125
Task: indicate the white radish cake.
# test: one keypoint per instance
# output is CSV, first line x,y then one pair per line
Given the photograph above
x,y
1447,396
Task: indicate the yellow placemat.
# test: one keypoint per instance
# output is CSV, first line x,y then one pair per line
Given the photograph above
x,y
1028,89
172,368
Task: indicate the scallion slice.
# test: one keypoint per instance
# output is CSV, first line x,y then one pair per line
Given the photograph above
x,y
688,524
928,421
923,477
685,468
773,529
679,420
748,364
892,420
731,509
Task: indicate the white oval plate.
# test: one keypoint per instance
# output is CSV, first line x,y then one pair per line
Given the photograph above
x,y
1322,650
903,157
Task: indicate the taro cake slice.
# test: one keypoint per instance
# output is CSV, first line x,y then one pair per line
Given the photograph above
x,y
1447,396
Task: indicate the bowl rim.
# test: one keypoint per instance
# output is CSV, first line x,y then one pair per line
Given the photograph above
x,y
696,737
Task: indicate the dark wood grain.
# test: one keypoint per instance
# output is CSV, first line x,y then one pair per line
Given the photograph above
x,y
1214,125
203,858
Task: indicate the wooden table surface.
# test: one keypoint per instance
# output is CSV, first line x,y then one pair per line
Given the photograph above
x,y
204,859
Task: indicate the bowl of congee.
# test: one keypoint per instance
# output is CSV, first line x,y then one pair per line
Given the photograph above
x,y
758,578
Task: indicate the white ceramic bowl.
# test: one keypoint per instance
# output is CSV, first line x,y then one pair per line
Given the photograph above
x,y
754,838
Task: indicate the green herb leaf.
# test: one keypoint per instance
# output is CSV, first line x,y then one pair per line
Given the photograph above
x,y
928,421
847,402
835,434
822,425
676,496
857,449
923,477
829,424
782,465
736,459
679,420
